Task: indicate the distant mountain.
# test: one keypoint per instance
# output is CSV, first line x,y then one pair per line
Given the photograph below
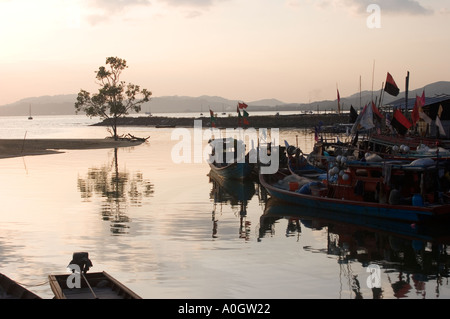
x,y
64,104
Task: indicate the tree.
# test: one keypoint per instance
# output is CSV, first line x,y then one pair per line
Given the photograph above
x,y
115,98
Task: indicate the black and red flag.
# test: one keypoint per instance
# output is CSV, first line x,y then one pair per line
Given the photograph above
x,y
390,86
400,123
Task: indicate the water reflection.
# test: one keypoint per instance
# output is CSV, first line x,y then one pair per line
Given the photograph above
x,y
119,189
235,193
409,255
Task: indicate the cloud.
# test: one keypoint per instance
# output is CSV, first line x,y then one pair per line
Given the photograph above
x,y
100,11
409,7
104,10
189,3
114,6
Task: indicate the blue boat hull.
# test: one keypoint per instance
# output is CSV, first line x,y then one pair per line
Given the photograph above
x,y
233,170
396,212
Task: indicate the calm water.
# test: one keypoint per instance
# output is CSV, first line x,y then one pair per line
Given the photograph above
x,y
171,231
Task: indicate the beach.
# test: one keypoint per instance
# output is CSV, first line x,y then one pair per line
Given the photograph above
x,y
27,147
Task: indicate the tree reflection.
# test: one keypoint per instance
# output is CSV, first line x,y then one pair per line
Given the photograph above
x,y
119,188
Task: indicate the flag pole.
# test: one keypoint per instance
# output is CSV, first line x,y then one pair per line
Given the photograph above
x,y
381,95
406,93
373,75
360,97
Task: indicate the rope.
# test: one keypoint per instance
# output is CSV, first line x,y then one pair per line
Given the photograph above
x,y
35,285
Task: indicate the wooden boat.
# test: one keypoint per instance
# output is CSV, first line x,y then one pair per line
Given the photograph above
x,y
298,164
229,160
95,285
9,289
364,190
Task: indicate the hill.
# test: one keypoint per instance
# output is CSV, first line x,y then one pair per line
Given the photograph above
x,y
64,104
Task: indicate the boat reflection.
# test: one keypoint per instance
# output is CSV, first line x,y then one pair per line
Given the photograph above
x,y
236,194
118,189
409,255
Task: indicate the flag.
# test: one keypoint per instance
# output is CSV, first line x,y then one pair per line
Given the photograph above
x,y
353,114
339,101
376,111
415,113
423,98
246,117
390,86
316,133
440,110
400,122
239,116
242,105
439,125
424,117
438,121
367,118
213,118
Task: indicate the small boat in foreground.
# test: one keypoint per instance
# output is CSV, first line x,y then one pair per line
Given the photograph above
x,y
9,289
81,285
96,285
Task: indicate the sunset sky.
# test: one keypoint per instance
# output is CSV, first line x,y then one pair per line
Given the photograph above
x,y
291,50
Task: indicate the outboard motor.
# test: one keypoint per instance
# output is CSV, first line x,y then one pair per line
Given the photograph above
x,y
82,260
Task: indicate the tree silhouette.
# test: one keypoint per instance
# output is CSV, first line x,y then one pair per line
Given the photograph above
x,y
114,99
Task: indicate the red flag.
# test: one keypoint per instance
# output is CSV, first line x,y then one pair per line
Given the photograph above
x,y
423,98
415,113
390,86
213,118
246,122
376,111
402,119
242,105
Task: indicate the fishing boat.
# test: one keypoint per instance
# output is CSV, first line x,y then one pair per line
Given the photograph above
x,y
82,285
298,164
228,159
394,190
95,285
9,289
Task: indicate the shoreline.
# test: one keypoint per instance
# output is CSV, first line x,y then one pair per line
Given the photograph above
x,y
260,121
10,148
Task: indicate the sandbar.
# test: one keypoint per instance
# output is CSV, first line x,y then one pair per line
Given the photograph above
x,y
27,147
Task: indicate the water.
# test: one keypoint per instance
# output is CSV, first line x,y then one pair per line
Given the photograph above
x,y
169,231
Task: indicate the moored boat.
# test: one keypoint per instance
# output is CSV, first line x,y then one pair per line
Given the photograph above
x,y
82,285
397,191
10,289
228,159
95,285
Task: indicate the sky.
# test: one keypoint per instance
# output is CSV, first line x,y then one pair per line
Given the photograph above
x,y
296,51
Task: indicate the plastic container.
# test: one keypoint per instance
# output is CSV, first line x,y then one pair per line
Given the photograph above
x,y
417,200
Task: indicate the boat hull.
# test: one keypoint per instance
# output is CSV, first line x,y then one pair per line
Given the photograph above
x,y
395,212
101,286
234,170
9,289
